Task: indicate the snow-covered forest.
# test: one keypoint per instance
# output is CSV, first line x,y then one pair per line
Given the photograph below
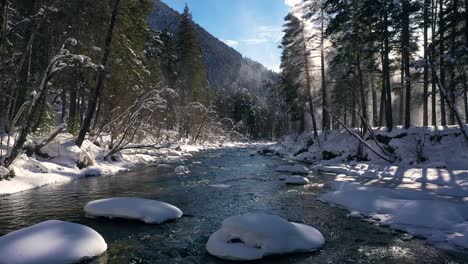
x,y
164,123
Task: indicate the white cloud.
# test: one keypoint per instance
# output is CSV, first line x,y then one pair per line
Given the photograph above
x,y
264,34
230,42
292,3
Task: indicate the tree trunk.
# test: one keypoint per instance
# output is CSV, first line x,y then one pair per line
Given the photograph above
x,y
406,63
453,47
433,74
426,67
100,78
375,120
362,91
308,88
63,98
388,90
441,61
325,118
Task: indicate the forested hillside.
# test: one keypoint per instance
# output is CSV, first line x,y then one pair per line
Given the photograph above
x,y
226,68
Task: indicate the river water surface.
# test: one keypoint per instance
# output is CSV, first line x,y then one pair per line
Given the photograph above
x,y
254,188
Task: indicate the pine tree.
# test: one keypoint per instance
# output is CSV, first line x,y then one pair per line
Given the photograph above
x,y
194,86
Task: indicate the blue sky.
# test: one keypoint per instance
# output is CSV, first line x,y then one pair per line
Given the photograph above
x,y
252,27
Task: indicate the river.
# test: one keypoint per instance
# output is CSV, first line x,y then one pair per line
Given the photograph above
x,y
254,188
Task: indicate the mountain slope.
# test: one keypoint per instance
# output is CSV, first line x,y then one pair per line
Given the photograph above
x,y
226,68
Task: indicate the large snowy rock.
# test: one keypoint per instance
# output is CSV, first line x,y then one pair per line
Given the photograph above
x,y
148,211
297,168
256,235
51,242
297,180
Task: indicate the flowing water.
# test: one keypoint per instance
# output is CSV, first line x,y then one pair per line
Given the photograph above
x,y
254,187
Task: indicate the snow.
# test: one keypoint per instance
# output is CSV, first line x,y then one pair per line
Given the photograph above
x,y
52,242
297,168
61,166
425,197
256,235
416,212
297,180
148,211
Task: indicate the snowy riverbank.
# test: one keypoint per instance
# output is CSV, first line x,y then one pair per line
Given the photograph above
x,y
62,159
424,192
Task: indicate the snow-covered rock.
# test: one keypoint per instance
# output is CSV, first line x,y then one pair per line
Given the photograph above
x,y
181,170
148,211
297,168
256,235
297,180
51,242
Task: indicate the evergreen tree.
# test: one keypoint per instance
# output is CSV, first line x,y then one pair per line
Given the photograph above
x,y
194,84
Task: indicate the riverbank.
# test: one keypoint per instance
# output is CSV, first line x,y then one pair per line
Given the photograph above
x,y
423,192
62,161
222,183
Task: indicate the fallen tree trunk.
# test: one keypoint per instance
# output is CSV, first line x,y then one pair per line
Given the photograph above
x,y
360,139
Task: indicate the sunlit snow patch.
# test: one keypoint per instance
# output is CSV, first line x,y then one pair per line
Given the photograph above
x,y
148,211
51,242
256,235
416,212
297,180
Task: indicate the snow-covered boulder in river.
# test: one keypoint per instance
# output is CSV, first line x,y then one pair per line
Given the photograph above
x,y
51,242
297,168
148,211
297,180
256,235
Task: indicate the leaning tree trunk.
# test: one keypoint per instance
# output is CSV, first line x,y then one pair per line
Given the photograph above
x,y
100,78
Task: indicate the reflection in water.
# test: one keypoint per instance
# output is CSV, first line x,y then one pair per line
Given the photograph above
x,y
253,188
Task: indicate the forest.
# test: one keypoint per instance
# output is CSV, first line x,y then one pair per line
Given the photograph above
x,y
107,72
382,63
213,131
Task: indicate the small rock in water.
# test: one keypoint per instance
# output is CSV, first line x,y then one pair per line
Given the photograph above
x,y
406,237
181,170
354,214
297,180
